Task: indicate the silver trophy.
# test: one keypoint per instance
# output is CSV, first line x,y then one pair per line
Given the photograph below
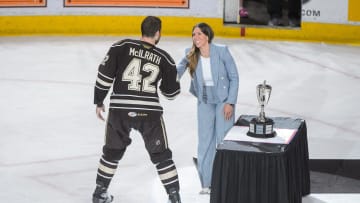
x,y
263,92
261,126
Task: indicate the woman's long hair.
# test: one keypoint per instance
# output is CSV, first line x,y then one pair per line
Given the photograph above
x,y
193,55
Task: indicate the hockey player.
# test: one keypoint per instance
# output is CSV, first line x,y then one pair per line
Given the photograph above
x,y
134,68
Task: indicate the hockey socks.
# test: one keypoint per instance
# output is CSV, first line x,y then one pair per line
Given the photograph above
x,y
168,175
106,171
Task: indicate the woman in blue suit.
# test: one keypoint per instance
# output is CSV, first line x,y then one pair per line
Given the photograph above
x,y
215,82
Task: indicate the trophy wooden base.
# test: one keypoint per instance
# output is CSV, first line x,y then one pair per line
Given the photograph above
x,y
261,129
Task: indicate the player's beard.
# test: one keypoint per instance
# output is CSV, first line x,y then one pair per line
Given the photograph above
x,y
157,40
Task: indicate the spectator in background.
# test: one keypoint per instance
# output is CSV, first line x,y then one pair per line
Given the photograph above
x,y
243,13
275,11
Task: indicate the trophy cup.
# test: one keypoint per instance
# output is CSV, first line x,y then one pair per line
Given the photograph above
x,y
261,126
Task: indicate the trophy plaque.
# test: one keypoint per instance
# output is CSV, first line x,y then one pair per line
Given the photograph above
x,y
261,126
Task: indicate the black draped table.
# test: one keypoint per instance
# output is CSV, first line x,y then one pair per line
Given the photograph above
x,y
259,171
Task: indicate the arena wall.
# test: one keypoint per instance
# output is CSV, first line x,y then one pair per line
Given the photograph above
x,y
336,21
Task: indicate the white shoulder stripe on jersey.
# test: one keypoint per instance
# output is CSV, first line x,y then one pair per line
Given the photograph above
x,y
119,45
172,63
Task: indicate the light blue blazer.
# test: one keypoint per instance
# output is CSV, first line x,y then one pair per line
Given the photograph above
x,y
224,74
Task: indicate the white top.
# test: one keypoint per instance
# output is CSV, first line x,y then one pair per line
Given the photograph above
x,y
206,69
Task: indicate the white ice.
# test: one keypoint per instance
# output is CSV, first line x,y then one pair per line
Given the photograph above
x,y
50,138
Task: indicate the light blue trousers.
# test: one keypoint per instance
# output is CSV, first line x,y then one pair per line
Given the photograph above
x,y
212,128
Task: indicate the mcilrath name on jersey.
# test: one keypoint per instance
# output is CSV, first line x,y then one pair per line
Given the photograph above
x,y
145,55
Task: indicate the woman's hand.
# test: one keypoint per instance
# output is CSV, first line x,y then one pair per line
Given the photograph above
x,y
228,111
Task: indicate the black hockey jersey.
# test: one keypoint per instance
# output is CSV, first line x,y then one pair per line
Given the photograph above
x,y
135,69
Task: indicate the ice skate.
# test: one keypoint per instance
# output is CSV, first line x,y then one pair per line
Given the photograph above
x,y
101,196
174,196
